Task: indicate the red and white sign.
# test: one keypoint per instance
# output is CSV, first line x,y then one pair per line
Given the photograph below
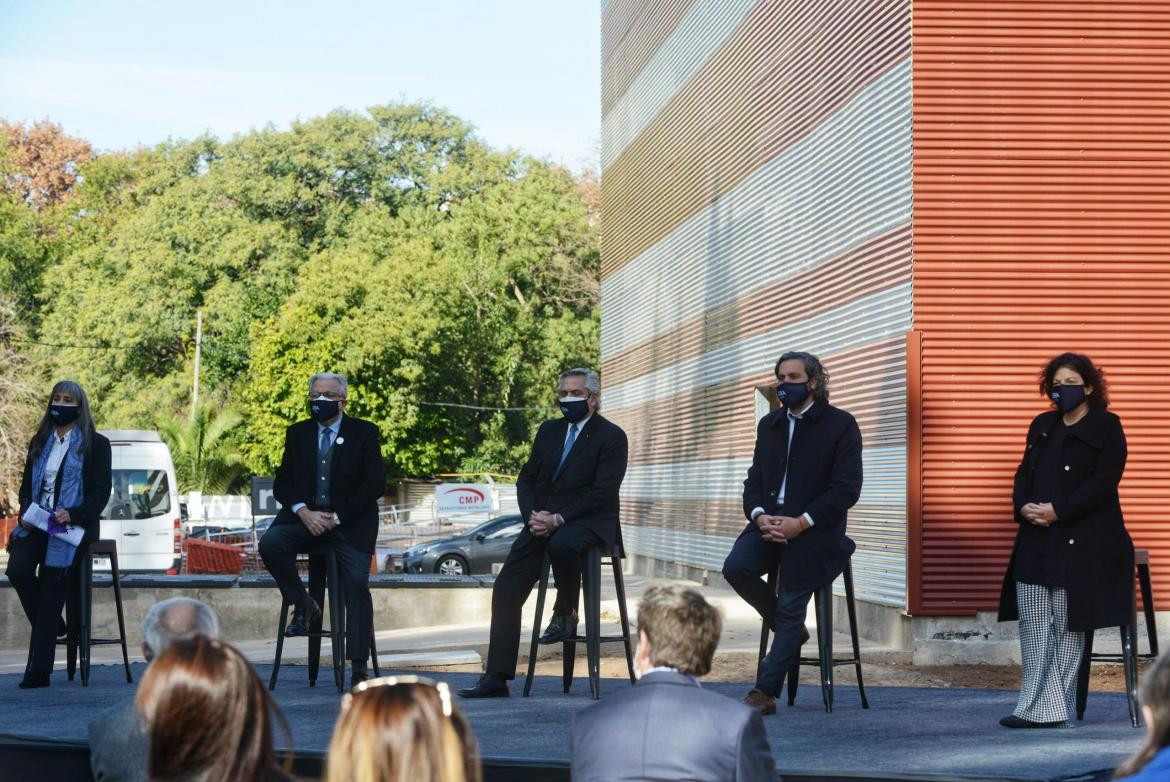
x,y
465,498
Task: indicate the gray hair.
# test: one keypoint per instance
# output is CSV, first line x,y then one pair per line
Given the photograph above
x,y
177,619
592,381
329,376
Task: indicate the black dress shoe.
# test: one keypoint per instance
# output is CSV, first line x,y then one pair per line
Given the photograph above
x,y
490,685
34,679
303,616
561,627
1012,721
356,677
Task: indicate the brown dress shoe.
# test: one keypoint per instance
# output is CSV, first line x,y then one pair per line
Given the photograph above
x,y
760,701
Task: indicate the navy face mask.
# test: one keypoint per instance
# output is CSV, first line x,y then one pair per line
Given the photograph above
x,y
792,395
1067,398
63,415
324,409
574,409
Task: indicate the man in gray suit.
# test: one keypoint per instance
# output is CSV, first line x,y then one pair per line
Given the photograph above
x,y
668,727
119,747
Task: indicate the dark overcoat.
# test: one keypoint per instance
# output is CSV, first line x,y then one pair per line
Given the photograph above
x,y
824,480
1088,538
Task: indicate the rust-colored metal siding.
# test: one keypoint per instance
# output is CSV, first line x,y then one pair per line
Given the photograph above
x,y
1041,182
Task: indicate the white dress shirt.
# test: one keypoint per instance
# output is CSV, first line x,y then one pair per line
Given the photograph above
x,y
60,445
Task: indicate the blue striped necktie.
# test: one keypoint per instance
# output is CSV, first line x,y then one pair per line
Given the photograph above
x,y
572,438
326,440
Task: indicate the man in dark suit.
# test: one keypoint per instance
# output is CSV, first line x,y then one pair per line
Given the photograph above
x,y
805,475
328,485
667,726
568,494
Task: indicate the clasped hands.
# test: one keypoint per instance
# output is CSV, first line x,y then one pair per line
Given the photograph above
x,y
1041,514
317,522
779,529
541,523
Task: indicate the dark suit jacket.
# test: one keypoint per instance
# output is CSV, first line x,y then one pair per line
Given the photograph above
x,y
586,489
119,745
1089,538
96,484
359,477
824,481
667,727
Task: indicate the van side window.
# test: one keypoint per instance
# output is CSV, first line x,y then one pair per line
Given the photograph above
x,y
138,494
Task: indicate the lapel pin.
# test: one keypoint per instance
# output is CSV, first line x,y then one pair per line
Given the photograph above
x,y
340,440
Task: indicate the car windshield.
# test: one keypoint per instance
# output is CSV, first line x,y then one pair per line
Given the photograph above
x,y
138,494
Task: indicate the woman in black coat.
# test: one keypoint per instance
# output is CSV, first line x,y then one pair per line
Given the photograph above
x,y
1071,568
66,485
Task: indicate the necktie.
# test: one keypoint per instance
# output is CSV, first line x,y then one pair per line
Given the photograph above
x,y
326,439
572,438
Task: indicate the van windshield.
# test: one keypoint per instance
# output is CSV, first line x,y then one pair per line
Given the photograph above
x,y
138,494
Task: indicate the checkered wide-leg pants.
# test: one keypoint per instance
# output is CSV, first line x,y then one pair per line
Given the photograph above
x,y
1051,655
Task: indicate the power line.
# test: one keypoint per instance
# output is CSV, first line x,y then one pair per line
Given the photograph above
x,y
480,407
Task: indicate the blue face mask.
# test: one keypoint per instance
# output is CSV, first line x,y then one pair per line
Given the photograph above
x,y
792,395
63,415
574,409
1067,398
324,409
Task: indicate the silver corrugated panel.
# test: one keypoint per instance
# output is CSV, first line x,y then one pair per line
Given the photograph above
x,y
847,182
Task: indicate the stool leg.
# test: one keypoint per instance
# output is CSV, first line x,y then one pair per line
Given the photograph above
x,y
851,606
1083,675
1129,655
86,618
1148,608
336,622
824,611
532,648
764,627
117,576
317,575
283,624
72,630
593,620
374,653
620,586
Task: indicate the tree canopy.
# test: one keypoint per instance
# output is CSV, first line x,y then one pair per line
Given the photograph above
x,y
449,281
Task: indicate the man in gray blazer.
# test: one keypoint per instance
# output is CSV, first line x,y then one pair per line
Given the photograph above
x,y
667,727
119,747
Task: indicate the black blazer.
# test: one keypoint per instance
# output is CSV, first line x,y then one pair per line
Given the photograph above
x,y
359,477
1092,544
824,481
586,490
96,485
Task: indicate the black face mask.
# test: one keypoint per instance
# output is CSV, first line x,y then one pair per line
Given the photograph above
x,y
792,395
1067,398
63,415
575,410
324,409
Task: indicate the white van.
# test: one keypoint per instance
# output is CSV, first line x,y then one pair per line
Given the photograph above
x,y
143,512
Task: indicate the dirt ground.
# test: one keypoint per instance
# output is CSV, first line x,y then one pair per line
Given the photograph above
x,y
742,668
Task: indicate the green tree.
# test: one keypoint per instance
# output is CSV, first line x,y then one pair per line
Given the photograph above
x,y
205,458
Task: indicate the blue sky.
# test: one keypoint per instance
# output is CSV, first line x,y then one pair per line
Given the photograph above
x,y
119,73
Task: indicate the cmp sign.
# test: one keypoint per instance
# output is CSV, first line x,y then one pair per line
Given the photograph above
x,y
464,498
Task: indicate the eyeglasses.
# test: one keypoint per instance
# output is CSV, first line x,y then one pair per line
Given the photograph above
x,y
393,681
329,396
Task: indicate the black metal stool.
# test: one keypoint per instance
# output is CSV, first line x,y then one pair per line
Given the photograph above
x,y
323,578
78,636
1129,643
591,587
823,600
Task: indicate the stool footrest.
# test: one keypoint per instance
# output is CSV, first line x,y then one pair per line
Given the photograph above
x,y
835,661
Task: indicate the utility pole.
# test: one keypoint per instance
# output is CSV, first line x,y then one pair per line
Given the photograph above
x,y
198,355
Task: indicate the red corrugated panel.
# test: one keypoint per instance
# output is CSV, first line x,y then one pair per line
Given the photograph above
x,y
1042,224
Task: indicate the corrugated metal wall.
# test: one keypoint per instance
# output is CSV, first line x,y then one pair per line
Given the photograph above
x,y
1042,224
756,197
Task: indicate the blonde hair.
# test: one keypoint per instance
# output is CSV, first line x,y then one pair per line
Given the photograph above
x,y
400,733
681,627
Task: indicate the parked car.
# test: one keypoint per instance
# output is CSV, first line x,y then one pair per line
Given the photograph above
x,y
143,515
469,553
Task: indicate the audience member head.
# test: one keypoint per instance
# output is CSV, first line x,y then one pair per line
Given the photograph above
x,y
402,729
677,628
1154,694
208,715
176,619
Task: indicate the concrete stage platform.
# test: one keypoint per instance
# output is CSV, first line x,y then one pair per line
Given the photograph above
x,y
908,733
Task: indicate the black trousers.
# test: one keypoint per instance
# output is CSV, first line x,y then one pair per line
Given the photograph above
x,y
43,592
751,560
519,575
279,548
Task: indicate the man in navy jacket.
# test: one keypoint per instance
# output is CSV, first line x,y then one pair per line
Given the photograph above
x,y
805,475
